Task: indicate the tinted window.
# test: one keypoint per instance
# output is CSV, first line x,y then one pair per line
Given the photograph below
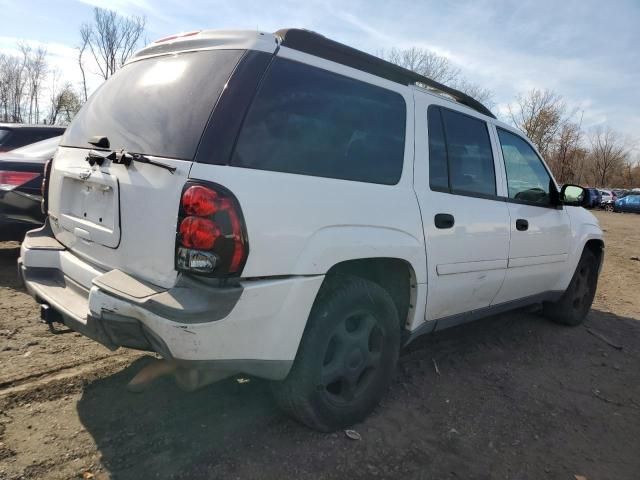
x,y
527,178
308,121
4,134
157,106
468,151
438,170
25,136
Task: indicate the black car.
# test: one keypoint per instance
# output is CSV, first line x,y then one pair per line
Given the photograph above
x,y
630,203
21,172
16,135
594,198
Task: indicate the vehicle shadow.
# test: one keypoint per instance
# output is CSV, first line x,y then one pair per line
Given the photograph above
x,y
503,381
9,253
162,430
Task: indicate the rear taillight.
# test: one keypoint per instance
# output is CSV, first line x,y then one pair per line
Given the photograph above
x,y
44,187
11,179
200,233
211,237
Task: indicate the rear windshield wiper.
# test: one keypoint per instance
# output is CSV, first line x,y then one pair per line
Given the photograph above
x,y
126,158
123,157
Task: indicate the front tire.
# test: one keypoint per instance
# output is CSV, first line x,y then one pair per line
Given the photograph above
x,y
575,303
347,356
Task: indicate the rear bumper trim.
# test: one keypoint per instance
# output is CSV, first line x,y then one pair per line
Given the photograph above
x,y
253,328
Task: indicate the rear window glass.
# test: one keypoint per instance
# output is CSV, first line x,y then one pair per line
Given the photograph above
x,y
158,106
309,121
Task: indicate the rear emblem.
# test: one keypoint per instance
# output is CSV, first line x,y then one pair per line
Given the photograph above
x,y
84,174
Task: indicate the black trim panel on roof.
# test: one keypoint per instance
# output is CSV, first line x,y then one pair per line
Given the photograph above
x,y
323,47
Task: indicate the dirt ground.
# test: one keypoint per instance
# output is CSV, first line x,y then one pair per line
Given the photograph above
x,y
517,397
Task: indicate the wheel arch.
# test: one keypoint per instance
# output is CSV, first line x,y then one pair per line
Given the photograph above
x,y
591,238
596,246
395,275
338,244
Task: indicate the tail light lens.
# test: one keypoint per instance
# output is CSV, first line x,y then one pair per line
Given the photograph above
x,y
12,179
200,233
211,236
44,187
199,200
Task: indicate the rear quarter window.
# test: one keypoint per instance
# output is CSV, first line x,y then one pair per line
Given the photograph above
x,y
308,121
4,135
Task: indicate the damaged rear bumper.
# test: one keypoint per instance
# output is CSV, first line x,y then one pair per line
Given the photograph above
x,y
254,327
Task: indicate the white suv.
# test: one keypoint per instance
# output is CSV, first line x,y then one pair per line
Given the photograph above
x,y
288,207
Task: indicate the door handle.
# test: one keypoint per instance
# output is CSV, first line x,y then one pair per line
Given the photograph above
x,y
444,220
522,224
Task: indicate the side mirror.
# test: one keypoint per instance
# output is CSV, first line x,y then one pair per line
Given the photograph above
x,y
573,195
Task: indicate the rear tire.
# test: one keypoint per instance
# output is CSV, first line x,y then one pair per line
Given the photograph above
x,y
572,308
347,356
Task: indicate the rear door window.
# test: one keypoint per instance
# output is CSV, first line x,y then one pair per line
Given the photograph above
x,y
438,168
158,106
309,121
460,155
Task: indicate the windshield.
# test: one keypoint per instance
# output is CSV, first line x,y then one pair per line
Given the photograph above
x,y
158,106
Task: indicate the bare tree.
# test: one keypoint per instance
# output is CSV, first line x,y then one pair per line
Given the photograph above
x,y
566,153
425,62
13,85
481,94
608,155
65,103
36,71
540,114
436,67
111,39
85,35
21,84
5,83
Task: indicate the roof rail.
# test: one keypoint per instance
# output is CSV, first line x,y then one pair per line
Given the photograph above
x,y
323,47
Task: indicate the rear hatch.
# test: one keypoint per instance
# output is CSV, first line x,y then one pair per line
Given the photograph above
x,y
120,216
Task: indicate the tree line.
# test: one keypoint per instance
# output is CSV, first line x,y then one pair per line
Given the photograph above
x,y
31,91
599,156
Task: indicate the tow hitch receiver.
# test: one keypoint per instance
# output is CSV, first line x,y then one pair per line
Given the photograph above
x,y
50,316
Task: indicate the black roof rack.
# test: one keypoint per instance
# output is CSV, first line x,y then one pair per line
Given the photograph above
x,y
323,47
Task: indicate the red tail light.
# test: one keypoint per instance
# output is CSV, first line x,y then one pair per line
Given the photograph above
x,y
200,233
11,179
199,200
211,238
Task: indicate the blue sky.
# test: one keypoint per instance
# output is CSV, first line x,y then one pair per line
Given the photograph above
x,y
587,51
